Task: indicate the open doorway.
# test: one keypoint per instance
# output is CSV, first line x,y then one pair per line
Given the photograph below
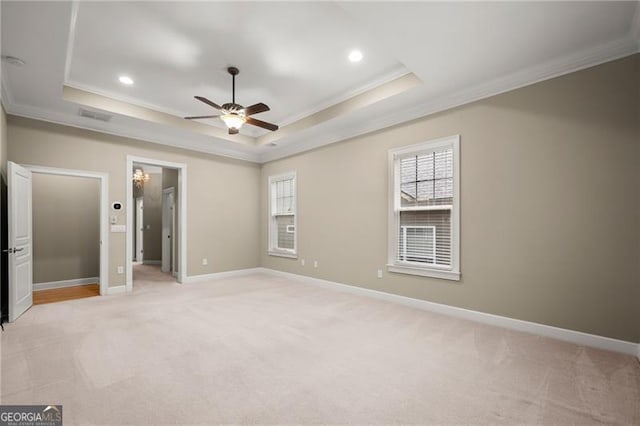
x,y
21,235
66,237
92,215
156,217
154,191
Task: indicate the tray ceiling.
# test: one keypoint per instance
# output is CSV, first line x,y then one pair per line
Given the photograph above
x,y
418,58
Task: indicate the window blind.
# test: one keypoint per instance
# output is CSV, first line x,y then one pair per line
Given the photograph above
x,y
283,209
424,230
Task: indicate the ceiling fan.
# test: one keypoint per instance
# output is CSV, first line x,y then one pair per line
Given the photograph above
x,y
235,115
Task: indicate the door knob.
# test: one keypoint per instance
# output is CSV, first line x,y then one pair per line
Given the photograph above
x,y
15,250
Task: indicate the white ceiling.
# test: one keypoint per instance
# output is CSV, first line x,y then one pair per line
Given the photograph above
x,y
293,57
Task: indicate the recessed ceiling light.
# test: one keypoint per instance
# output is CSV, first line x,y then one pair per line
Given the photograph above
x,y
125,80
355,56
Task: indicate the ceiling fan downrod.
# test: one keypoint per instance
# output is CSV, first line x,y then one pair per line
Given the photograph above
x,y
233,71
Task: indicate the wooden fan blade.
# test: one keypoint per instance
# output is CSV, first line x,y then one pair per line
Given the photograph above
x,y
233,131
208,102
262,124
197,117
255,109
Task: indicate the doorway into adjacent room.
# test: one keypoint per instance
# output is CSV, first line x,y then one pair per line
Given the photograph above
x,y
54,253
66,237
156,217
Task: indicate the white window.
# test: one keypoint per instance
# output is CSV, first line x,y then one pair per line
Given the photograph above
x,y
282,215
424,217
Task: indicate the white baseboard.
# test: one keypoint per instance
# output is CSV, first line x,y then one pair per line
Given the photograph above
x,y
65,283
152,262
117,289
572,336
218,275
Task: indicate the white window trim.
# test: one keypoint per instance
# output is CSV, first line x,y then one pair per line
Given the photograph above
x,y
395,155
272,249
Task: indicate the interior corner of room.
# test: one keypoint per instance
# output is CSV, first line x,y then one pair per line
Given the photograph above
x,y
521,257
499,220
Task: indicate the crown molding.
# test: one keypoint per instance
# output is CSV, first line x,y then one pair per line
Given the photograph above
x,y
93,90
372,85
377,94
115,106
123,131
584,59
581,60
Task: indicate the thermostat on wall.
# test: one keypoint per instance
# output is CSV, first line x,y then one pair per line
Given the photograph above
x,y
116,206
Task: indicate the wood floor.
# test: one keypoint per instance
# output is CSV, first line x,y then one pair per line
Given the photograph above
x,y
41,297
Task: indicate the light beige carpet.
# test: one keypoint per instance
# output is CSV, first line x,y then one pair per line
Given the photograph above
x,y
263,349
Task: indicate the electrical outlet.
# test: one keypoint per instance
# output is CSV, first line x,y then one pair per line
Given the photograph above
x,y
315,263
205,261
302,262
379,273
120,269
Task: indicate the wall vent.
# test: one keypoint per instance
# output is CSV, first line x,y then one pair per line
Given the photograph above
x,y
100,116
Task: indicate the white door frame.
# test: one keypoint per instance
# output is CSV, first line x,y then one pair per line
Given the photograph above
x,y
138,226
181,203
20,265
104,213
168,231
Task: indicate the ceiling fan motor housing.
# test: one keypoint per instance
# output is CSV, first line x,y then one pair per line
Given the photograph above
x,y
232,108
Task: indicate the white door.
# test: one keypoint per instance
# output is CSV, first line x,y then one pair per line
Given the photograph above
x,y
173,234
168,222
139,229
20,241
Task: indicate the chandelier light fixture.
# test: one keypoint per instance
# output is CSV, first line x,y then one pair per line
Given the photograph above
x,y
140,177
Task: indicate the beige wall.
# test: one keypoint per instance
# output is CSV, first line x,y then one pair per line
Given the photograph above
x,y
152,196
221,226
170,179
66,228
549,205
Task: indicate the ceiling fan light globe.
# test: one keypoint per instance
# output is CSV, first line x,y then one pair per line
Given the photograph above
x,y
233,121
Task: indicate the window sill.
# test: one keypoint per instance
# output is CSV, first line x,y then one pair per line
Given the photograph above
x,y
283,254
425,272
